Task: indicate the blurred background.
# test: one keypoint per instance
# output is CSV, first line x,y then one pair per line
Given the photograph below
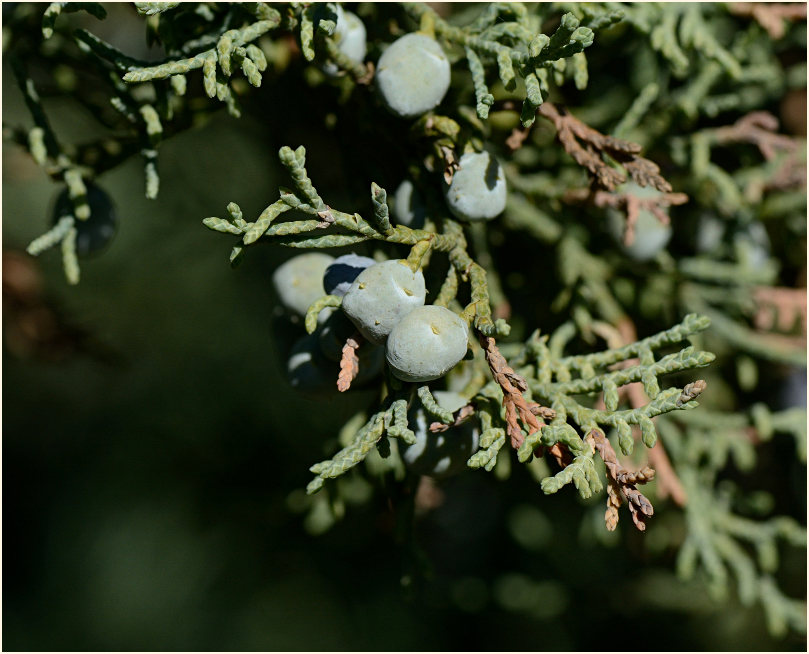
x,y
154,457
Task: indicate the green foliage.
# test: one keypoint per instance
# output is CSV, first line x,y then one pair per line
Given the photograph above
x,y
686,88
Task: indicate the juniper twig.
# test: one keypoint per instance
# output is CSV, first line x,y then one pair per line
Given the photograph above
x,y
622,481
513,386
588,146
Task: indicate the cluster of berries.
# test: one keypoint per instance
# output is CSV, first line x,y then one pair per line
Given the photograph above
x,y
384,304
412,77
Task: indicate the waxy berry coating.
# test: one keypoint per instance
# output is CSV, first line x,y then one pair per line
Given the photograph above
x,y
343,271
412,75
408,206
381,296
299,281
427,343
478,188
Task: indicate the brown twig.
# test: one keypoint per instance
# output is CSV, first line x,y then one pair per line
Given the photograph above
x,y
779,308
349,363
622,481
758,128
630,204
451,163
517,137
366,79
460,416
546,413
558,451
691,391
513,385
669,484
770,16
326,218
588,147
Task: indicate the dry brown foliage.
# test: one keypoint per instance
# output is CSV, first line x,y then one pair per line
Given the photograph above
x,y
546,413
759,128
451,163
771,16
668,483
366,79
513,386
460,416
780,308
349,363
621,481
589,147
691,391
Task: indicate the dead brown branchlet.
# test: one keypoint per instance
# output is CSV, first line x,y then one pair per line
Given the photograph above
x,y
517,138
559,452
780,309
588,147
622,482
368,77
451,163
758,128
546,413
460,416
326,218
771,16
349,363
513,386
691,391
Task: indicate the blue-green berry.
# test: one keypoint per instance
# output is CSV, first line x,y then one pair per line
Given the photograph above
x,y
427,343
440,454
381,296
408,206
299,281
92,234
748,241
709,233
343,271
350,38
478,188
651,236
752,243
308,370
412,75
